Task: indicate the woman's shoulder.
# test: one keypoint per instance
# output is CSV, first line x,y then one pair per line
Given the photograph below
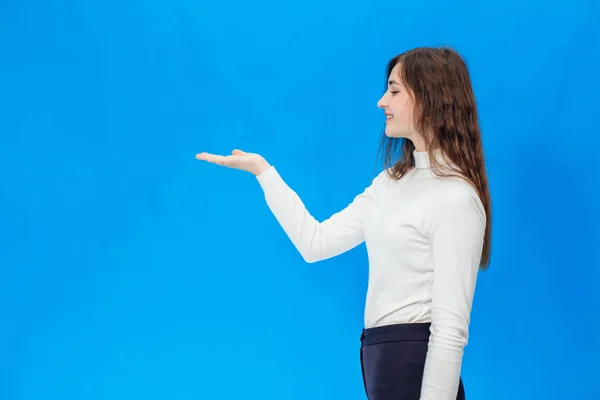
x,y
458,193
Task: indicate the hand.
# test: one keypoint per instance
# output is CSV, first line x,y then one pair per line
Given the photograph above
x,y
250,162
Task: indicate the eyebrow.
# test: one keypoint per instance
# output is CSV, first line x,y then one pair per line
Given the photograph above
x,y
393,82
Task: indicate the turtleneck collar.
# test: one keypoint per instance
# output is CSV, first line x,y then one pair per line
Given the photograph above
x,y
422,160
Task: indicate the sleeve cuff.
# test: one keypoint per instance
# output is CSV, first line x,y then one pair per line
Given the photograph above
x,y
268,178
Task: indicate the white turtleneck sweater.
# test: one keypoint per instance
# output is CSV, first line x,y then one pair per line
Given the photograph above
x,y
424,237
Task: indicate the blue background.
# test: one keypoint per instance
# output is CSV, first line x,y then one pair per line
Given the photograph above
x,y
128,269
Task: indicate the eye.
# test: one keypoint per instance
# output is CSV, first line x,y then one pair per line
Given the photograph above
x,y
394,92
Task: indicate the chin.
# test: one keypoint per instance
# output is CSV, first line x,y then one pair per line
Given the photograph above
x,y
395,134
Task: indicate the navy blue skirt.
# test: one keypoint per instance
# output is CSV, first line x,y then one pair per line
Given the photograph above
x,y
392,358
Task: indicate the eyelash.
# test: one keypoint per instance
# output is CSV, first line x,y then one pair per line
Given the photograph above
x,y
393,92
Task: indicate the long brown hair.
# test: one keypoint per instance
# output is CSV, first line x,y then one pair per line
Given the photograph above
x,y
445,114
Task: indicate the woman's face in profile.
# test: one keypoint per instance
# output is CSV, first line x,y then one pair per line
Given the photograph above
x,y
398,108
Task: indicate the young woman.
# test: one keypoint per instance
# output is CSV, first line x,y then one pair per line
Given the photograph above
x,y
425,220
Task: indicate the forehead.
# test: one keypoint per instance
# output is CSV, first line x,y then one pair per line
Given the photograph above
x,y
395,78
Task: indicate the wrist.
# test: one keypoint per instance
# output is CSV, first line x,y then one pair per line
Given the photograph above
x,y
261,167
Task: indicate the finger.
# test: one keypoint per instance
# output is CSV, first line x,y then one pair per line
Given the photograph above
x,y
204,156
212,158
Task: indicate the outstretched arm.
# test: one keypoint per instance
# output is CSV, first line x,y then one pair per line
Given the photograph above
x,y
313,239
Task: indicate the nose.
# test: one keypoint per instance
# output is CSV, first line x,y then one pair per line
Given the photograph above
x,y
381,102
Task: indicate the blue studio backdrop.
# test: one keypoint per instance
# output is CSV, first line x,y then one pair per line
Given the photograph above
x,y
130,270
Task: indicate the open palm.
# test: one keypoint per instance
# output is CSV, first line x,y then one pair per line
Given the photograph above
x,y
250,162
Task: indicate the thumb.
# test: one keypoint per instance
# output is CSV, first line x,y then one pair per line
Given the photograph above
x,y
238,152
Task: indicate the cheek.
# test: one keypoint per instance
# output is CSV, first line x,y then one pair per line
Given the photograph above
x,y
403,117
403,111
400,115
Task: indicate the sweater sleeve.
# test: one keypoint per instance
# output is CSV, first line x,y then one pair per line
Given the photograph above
x,y
456,240
316,240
